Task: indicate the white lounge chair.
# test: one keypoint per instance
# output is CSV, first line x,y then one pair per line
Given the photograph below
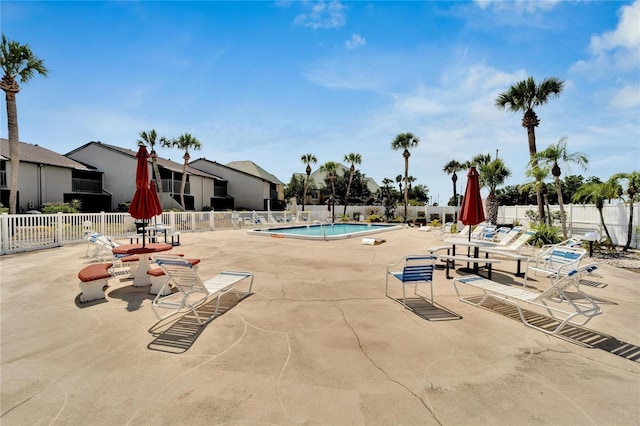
x,y
555,262
412,270
556,301
102,246
192,292
517,249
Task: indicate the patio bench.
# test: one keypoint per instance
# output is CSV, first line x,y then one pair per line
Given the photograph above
x,y
93,280
159,279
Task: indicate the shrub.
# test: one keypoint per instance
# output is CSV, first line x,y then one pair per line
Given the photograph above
x,y
58,208
545,234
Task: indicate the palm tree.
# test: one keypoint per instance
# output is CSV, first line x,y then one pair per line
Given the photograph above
x,y
523,97
399,180
633,194
184,142
404,141
17,62
550,157
353,159
539,174
307,159
493,174
452,168
150,138
330,168
597,193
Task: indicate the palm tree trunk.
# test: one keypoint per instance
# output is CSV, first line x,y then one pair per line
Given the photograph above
x,y
14,149
630,226
304,196
183,183
604,225
346,198
406,185
563,218
492,208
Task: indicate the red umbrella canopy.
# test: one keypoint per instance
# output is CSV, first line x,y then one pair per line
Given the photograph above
x,y
145,203
471,211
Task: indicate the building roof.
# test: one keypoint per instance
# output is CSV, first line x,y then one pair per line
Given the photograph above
x,y
162,162
319,177
253,169
30,153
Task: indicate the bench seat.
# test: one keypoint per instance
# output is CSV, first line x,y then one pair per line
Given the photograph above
x,y
93,280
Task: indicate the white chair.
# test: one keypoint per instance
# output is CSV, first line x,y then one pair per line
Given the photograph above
x,y
555,262
192,291
575,308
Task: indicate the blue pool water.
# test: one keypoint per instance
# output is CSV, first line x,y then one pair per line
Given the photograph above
x,y
325,231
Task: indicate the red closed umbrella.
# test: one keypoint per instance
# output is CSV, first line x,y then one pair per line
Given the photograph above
x,y
471,210
145,203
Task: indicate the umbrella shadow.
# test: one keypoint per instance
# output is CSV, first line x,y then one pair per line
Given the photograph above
x,y
178,333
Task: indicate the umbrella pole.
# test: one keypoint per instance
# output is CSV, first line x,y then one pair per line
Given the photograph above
x,y
144,233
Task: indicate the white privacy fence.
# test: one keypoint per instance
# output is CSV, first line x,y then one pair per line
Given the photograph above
x,y
24,232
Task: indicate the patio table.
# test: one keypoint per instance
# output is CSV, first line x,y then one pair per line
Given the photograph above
x,y
465,242
140,276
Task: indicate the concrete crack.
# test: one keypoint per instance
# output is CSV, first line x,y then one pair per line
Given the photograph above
x,y
364,352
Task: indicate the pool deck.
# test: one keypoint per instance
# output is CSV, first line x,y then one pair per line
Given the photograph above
x,y
317,343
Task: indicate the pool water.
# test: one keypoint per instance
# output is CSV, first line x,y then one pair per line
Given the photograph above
x,y
330,231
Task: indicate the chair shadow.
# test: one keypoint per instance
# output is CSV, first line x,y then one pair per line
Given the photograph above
x,y
572,333
425,310
178,333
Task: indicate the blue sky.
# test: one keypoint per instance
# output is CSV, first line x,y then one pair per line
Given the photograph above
x,y
271,81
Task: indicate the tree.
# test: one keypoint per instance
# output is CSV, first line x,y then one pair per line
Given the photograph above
x,y
352,159
184,142
17,62
330,168
307,159
404,141
538,186
524,97
295,188
493,174
633,196
596,193
550,157
452,168
399,180
150,138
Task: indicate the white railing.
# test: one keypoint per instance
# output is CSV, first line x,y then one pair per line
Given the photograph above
x,y
24,232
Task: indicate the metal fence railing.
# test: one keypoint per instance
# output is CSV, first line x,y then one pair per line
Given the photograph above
x,y
24,232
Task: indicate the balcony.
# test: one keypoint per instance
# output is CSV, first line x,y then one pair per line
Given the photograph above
x,y
86,185
173,186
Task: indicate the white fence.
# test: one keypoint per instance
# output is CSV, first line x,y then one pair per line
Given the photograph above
x,y
24,232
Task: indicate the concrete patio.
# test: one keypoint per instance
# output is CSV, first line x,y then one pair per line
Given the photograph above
x,y
316,343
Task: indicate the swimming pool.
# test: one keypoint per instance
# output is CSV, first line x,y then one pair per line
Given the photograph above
x,y
329,231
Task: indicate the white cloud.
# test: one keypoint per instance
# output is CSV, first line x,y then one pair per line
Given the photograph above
x,y
617,49
355,41
626,97
527,6
322,15
625,36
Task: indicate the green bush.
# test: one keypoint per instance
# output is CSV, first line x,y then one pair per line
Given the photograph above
x,y
374,218
545,234
58,208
